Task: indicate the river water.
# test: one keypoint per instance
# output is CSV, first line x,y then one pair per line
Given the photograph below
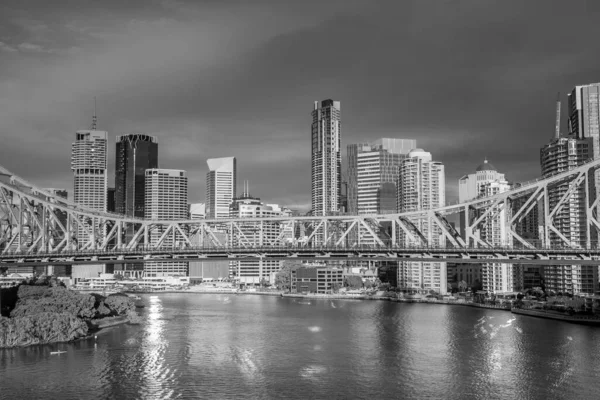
x,y
258,347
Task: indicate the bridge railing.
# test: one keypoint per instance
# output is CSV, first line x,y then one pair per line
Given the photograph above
x,y
364,248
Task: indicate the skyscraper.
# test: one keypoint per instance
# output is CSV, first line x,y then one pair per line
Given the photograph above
x,y
584,115
370,166
166,199
135,154
421,186
326,159
487,181
88,162
559,155
221,183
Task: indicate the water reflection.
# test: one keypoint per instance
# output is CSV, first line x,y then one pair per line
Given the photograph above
x,y
206,346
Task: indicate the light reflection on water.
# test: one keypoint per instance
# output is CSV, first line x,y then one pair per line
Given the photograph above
x,y
206,346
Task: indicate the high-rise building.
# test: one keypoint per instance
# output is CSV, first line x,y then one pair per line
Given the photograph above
x,y
135,154
252,272
584,115
421,186
166,199
110,200
370,166
221,183
88,163
487,181
559,155
326,159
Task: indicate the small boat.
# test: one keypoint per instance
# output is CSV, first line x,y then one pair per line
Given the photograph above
x,y
57,352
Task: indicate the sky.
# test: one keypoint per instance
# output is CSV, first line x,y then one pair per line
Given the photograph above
x,y
467,79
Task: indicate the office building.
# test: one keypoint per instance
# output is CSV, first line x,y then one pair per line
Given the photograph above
x,y
484,182
370,166
135,154
252,272
316,279
166,199
326,159
221,183
562,154
584,115
421,186
197,211
88,163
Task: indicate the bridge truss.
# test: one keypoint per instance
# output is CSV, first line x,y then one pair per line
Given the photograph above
x,y
36,226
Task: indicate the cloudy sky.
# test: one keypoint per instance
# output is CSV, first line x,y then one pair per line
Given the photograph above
x,y
214,78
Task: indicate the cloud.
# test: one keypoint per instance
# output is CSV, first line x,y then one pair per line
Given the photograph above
x,y
467,80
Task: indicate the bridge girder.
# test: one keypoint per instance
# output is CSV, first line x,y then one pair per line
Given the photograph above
x,y
35,223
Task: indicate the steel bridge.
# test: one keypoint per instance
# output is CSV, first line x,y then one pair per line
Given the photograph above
x,y
38,227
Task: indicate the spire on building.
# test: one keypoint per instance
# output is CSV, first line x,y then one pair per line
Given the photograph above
x,y
94,117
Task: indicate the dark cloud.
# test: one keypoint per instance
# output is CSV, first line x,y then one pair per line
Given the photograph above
x,y
468,79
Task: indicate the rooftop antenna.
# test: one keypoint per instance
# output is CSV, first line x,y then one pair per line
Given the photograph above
x,y
94,118
557,126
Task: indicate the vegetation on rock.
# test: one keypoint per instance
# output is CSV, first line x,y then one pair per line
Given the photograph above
x,y
41,328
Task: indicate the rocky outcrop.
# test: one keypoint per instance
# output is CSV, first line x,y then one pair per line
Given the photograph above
x,y
41,328
44,314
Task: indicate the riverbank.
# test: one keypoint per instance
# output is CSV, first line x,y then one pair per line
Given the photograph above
x,y
574,319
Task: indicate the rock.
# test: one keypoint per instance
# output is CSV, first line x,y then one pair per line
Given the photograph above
x,y
41,328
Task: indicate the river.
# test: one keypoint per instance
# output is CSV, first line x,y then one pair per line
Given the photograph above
x,y
260,347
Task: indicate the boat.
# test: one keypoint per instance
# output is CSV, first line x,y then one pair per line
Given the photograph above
x,y
57,352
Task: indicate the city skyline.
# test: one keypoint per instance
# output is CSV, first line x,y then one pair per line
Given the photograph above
x,y
208,98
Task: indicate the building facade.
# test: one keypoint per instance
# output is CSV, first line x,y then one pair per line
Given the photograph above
x,y
88,163
317,279
166,199
421,186
253,272
487,181
370,166
559,155
135,154
326,159
221,183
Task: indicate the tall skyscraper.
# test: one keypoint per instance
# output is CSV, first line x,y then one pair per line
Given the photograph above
x,y
166,199
421,186
487,181
559,155
326,159
370,167
88,162
135,154
221,183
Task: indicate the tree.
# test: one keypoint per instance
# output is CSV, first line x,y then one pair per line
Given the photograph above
x,y
119,277
282,278
353,281
462,286
264,282
335,287
3,270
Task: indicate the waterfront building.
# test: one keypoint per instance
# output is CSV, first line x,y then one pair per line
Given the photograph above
x,y
252,272
316,279
469,273
484,182
561,154
166,199
421,186
221,183
326,159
